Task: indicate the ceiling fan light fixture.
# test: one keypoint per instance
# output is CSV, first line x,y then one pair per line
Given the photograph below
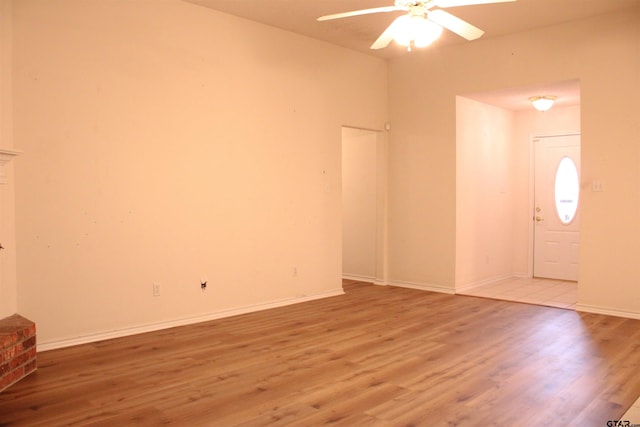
x,y
416,30
542,102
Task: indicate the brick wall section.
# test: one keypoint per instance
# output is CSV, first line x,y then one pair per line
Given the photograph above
x,y
17,349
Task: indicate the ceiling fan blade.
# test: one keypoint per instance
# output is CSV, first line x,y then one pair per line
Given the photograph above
x,y
455,24
360,12
386,37
455,3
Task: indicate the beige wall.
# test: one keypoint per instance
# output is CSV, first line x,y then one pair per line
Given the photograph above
x,y
422,172
165,142
8,288
603,54
485,200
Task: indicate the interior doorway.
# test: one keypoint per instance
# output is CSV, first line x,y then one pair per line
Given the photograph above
x,y
363,205
495,185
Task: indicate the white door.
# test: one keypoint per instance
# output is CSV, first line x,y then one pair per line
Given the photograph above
x,y
557,202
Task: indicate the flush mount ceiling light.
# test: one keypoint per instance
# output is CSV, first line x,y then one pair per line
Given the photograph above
x,y
542,103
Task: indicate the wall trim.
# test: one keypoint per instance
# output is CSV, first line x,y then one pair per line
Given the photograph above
x,y
157,326
367,279
607,311
423,287
359,278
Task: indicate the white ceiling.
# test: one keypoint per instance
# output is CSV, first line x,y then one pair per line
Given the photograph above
x,y
359,32
517,99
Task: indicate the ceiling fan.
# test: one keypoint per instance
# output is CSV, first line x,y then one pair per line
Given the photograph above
x,y
423,24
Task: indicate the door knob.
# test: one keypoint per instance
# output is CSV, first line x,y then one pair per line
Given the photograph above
x,y
539,218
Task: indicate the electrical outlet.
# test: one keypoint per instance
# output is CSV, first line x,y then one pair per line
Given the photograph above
x,y
156,289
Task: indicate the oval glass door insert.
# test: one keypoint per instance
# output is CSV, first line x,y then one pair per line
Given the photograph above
x,y
567,190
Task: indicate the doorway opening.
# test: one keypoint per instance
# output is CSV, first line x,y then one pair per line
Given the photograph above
x,y
363,205
495,225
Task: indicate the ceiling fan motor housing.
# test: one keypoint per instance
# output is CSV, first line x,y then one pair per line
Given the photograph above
x,y
407,4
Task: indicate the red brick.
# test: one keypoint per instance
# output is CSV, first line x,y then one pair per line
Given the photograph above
x,y
8,353
6,340
16,374
12,377
4,382
30,367
17,349
29,342
20,359
14,323
31,332
32,352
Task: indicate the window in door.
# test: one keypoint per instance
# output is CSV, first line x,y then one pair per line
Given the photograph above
x,y
567,190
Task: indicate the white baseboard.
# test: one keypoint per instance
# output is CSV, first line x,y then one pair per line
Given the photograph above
x,y
364,279
472,285
607,311
359,278
522,275
68,342
423,287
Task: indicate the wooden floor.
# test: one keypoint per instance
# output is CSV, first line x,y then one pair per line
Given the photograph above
x,y
376,356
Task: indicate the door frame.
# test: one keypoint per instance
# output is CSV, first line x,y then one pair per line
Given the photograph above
x,y
531,213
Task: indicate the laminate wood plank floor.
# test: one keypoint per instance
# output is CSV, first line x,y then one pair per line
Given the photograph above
x,y
376,356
